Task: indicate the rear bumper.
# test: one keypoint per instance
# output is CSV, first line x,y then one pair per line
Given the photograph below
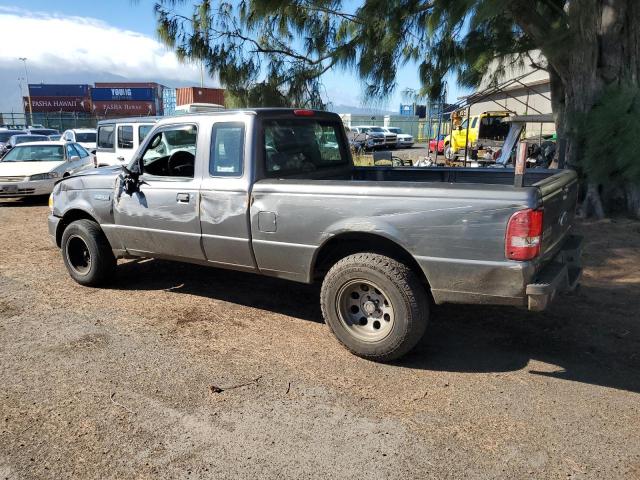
x,y
562,274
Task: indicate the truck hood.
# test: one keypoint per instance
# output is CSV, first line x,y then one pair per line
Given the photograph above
x,y
96,178
19,169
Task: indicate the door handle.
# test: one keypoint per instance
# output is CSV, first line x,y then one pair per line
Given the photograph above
x,y
182,198
120,158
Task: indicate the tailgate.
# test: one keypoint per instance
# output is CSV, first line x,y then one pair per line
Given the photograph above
x,y
559,199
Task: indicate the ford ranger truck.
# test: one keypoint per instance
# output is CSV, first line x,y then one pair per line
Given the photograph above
x,y
275,192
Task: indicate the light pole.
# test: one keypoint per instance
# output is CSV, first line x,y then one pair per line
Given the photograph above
x,y
26,75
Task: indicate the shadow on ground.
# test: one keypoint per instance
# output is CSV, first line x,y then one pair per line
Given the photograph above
x,y
589,340
37,201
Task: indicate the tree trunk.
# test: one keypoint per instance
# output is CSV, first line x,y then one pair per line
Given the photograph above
x,y
604,49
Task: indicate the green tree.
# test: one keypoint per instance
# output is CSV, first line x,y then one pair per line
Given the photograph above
x,y
275,52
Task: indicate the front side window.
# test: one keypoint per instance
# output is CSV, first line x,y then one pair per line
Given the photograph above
x,y
296,146
71,151
125,136
105,136
227,149
473,122
81,150
35,153
171,152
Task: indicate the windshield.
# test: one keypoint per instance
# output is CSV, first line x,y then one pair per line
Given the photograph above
x,y
394,130
29,138
86,137
376,129
296,146
35,153
6,135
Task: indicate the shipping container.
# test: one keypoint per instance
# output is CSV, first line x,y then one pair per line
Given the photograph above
x,y
123,94
168,101
57,104
120,108
127,85
58,90
199,95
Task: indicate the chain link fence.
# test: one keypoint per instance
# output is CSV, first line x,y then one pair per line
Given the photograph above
x,y
61,121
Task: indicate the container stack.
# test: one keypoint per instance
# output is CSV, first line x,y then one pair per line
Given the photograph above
x,y
118,99
52,98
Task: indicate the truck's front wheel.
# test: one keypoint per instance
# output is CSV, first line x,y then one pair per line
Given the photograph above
x,y
375,306
87,254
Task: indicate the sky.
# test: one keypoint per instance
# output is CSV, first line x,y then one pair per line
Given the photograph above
x,y
86,41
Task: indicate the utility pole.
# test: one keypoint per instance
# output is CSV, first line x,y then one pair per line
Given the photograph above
x,y
26,76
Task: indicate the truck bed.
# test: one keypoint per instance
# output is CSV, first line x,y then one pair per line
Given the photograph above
x,y
489,176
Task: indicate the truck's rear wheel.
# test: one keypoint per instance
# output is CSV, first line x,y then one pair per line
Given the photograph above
x,y
87,254
375,306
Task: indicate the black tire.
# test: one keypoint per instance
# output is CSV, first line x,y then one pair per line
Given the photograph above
x,y
87,254
405,292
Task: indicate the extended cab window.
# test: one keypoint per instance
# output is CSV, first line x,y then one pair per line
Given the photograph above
x,y
227,149
125,136
171,152
105,137
296,145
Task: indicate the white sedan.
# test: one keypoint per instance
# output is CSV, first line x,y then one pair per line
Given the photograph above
x,y
404,139
31,169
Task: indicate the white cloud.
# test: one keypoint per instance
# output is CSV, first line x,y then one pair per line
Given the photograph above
x,y
71,44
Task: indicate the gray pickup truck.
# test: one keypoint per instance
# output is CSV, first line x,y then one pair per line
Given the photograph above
x,y
275,192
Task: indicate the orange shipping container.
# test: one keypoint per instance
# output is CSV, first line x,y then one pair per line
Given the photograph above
x,y
199,95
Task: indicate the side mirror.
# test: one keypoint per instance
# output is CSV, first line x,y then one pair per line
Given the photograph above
x,y
74,158
459,128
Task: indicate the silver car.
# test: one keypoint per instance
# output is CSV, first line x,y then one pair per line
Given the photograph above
x,y
31,169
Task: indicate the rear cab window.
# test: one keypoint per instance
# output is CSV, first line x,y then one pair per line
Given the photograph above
x,y
227,149
106,139
293,146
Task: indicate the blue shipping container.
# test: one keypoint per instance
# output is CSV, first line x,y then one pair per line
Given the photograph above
x,y
58,90
123,93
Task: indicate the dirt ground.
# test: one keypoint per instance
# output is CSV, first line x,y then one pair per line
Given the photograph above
x,y
125,382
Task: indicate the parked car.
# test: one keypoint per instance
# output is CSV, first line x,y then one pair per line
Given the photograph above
x,y
31,169
371,136
43,131
5,136
21,138
118,139
84,136
439,142
261,193
403,140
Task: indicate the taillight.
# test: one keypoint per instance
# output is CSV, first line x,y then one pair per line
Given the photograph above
x,y
524,235
303,113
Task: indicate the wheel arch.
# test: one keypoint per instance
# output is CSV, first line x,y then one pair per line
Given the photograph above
x,y
68,218
344,244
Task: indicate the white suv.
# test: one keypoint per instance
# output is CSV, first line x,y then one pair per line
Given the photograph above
x,y
118,139
84,136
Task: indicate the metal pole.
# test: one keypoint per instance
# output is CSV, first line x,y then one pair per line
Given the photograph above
x,y
466,140
521,160
26,76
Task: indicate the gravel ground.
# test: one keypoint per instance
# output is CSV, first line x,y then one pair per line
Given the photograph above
x,y
126,382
